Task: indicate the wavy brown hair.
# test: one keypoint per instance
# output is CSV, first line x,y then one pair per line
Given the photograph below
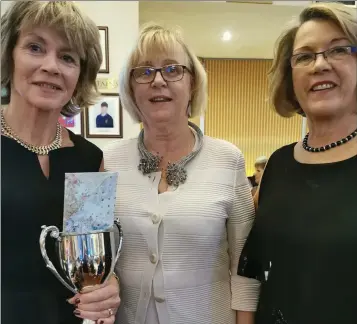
x,y
282,96
79,30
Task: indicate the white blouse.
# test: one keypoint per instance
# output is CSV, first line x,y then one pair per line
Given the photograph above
x,y
181,248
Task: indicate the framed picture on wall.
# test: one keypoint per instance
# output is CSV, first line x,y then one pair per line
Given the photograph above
x,y
104,43
74,124
105,118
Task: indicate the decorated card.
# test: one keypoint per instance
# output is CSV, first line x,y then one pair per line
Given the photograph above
x,y
89,201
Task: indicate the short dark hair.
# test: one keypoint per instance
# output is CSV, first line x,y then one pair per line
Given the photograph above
x,y
104,104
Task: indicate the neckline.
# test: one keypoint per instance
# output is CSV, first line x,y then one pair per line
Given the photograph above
x,y
176,173
72,136
316,165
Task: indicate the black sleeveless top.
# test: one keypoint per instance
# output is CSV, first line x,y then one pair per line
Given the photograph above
x,y
30,292
303,245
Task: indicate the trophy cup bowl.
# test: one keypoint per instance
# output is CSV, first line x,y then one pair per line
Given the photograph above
x,y
85,260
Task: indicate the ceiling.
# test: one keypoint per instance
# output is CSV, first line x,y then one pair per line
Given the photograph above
x,y
254,27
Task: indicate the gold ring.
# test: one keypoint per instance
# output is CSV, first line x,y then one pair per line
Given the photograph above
x,y
110,312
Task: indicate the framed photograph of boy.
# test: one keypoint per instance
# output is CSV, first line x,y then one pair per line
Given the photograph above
x,y
105,118
74,124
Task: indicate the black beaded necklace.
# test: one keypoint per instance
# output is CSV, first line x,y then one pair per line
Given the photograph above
x,y
328,146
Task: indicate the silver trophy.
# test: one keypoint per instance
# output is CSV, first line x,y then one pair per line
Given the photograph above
x,y
85,260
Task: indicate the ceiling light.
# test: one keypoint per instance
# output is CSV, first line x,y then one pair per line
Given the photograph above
x,y
226,36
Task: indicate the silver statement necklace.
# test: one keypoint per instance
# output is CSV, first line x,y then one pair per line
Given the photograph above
x,y
175,173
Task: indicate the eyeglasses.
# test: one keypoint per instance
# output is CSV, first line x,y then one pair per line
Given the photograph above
x,y
170,73
333,54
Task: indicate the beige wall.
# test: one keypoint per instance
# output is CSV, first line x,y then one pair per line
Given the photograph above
x,y
254,27
4,6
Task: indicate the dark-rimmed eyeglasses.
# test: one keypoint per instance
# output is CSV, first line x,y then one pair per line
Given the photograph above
x,y
170,73
332,54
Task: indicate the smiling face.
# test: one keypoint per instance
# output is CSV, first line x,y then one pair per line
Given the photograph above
x,y
46,70
162,101
325,87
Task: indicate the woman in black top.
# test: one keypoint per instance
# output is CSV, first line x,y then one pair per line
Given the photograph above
x,y
50,58
304,240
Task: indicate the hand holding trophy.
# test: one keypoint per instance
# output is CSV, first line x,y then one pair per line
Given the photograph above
x,y
86,248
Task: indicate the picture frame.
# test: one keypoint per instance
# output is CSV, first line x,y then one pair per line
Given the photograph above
x,y
74,124
105,118
104,43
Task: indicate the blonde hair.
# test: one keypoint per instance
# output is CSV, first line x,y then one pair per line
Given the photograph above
x,y
261,161
153,40
282,95
79,30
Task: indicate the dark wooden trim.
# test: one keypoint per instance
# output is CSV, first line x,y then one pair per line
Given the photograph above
x,y
106,54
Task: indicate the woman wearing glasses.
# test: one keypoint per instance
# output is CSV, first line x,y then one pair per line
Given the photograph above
x,y
183,198
303,243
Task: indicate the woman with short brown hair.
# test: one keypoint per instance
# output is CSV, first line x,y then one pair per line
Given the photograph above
x,y
50,58
302,246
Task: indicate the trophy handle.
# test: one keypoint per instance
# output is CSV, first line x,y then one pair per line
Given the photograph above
x,y
117,223
54,233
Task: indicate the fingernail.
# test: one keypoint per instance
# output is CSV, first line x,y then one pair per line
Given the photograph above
x,y
77,301
77,312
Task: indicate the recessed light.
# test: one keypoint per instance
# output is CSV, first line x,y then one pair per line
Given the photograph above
x,y
226,36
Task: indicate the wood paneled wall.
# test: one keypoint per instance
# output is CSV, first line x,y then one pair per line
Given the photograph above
x,y
238,110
